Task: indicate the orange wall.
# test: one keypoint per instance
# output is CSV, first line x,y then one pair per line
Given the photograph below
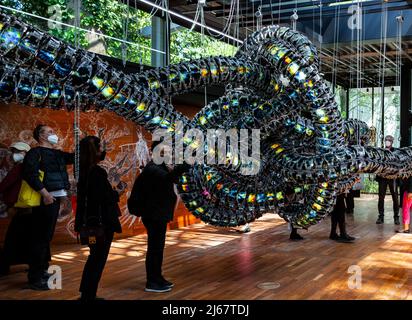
x,y
17,123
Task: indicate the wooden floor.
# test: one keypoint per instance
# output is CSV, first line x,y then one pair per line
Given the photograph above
x,y
211,263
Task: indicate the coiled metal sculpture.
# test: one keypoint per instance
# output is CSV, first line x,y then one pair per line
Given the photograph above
x,y
309,154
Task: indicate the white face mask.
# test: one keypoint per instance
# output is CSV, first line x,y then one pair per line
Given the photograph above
x,y
18,157
53,139
388,144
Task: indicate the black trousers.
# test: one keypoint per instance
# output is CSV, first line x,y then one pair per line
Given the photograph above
x,y
156,237
16,243
383,185
94,266
42,230
350,201
338,216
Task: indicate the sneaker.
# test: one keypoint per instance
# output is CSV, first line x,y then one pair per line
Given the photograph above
x,y
296,236
167,283
334,236
45,276
344,239
396,220
39,286
403,231
85,298
380,220
245,229
4,270
155,287
347,237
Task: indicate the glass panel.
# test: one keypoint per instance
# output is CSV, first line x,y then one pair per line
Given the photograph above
x,y
392,114
340,98
111,18
186,45
360,105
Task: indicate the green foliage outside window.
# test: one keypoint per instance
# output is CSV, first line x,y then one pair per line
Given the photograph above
x,y
109,17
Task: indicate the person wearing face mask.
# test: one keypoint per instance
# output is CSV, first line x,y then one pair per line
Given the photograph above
x,y
54,186
153,193
96,201
15,243
393,188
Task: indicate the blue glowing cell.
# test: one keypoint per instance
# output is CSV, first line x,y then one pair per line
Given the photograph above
x,y
46,57
10,38
260,198
300,76
241,196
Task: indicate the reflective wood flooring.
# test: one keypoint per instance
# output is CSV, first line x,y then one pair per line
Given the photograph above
x,y
206,262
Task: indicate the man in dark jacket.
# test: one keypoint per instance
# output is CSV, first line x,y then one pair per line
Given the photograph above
x,y
393,188
157,200
54,186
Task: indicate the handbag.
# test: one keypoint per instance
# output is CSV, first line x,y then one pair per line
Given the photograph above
x,y
28,197
92,231
91,235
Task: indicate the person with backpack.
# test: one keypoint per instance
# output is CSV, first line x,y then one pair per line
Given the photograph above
x,y
97,208
153,199
15,243
52,162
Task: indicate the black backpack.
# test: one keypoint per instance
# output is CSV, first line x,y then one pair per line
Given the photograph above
x,y
135,203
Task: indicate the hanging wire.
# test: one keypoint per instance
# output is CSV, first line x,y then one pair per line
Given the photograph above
x,y
358,62
352,68
280,4
202,41
384,18
258,15
228,24
279,8
125,34
168,19
335,47
294,18
399,20
76,124
320,32
313,22
271,11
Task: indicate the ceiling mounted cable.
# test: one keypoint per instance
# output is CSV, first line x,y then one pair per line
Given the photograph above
x,y
384,21
399,20
280,5
320,34
293,19
125,26
335,47
180,16
76,120
258,15
271,11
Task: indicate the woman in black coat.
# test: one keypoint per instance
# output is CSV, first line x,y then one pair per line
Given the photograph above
x,y
96,204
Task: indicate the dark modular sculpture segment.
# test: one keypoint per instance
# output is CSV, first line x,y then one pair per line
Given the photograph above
x,y
309,154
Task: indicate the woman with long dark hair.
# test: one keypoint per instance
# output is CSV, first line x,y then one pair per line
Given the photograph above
x,y
96,205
